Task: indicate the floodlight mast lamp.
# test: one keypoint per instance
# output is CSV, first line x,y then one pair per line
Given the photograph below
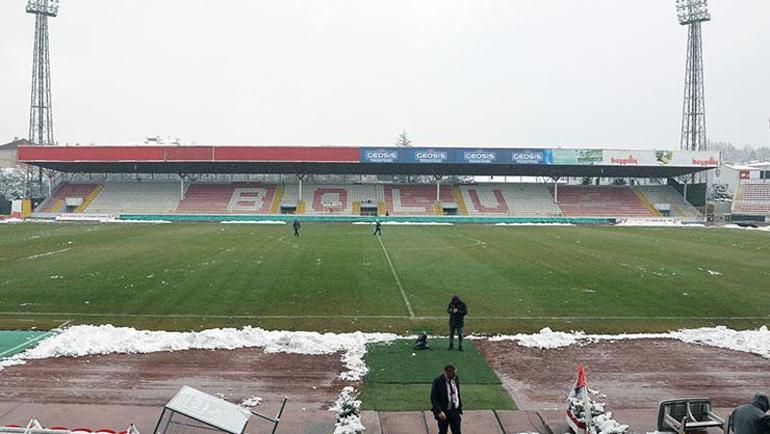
x,y
692,13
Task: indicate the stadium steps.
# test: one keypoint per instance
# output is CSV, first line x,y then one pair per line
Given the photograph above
x,y
276,206
438,208
381,208
90,198
463,210
300,207
647,203
356,208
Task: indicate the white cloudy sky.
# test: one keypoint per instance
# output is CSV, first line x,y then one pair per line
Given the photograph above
x,y
476,72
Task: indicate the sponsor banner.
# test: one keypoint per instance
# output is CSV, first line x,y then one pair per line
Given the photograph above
x,y
428,156
577,157
566,157
662,158
532,156
384,155
479,156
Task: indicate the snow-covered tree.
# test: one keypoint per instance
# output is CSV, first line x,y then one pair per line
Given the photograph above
x,y
403,141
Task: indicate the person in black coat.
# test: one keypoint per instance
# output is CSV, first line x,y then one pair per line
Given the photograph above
x,y
296,225
457,311
446,402
751,418
378,228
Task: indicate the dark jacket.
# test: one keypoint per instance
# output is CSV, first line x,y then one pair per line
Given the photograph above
x,y
439,398
296,224
457,319
751,418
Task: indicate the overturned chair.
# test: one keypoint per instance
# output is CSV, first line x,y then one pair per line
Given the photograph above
x,y
685,415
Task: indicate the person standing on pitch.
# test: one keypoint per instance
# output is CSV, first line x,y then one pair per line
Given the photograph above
x,y
378,228
296,225
446,403
751,418
457,311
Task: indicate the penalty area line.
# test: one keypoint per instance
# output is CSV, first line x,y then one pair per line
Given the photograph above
x,y
398,281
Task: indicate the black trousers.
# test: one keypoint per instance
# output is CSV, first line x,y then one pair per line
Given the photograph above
x,y
377,231
296,232
453,422
452,331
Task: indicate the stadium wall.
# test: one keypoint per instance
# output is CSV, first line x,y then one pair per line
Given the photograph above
x,y
351,219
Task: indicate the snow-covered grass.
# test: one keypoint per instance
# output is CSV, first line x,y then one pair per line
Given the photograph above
x,y
533,224
88,340
750,341
253,222
394,223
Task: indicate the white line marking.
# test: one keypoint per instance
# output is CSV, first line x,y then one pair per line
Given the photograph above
x,y
41,255
26,344
398,281
480,317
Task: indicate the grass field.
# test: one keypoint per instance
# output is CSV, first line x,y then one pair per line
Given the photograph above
x,y
400,378
339,277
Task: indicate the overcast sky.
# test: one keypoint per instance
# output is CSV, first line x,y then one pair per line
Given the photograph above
x,y
465,73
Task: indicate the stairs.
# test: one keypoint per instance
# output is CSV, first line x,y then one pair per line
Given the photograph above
x,y
649,205
88,199
276,206
459,200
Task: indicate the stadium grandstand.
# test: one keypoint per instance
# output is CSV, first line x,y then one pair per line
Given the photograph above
x,y
335,181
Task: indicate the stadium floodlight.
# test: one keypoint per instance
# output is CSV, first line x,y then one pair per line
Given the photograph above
x,y
692,11
48,8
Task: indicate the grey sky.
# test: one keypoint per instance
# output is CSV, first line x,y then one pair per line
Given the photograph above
x,y
508,72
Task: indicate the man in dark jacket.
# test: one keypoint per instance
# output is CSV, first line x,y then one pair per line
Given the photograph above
x,y
751,418
378,228
296,225
457,311
446,403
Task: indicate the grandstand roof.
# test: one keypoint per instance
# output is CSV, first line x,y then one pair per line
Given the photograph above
x,y
368,160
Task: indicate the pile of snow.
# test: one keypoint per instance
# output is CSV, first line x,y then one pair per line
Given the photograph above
x,y
252,402
666,223
389,223
88,340
253,222
545,339
11,220
749,341
111,220
734,226
348,408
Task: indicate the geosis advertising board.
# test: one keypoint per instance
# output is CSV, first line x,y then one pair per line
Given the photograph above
x,y
566,157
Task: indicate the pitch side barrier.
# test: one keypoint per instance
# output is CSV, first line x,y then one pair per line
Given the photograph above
x,y
351,219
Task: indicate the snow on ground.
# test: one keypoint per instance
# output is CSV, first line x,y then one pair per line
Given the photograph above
x,y
253,222
749,341
10,220
533,224
87,340
389,223
664,223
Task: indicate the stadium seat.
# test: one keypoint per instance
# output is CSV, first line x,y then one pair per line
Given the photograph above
x,y
252,198
415,199
136,197
601,201
752,198
56,202
665,194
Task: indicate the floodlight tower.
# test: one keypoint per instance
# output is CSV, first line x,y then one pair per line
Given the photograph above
x,y
40,116
692,13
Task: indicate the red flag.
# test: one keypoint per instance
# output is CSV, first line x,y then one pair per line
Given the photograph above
x,y
581,386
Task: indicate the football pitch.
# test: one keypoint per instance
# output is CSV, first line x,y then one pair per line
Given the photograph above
x,y
338,277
